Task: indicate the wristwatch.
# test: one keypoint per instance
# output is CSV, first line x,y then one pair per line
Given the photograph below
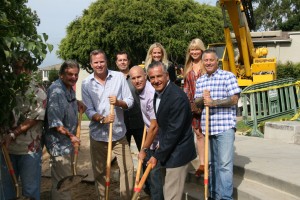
x,y
145,150
102,120
12,135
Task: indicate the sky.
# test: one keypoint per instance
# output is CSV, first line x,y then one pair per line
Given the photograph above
x,y
56,15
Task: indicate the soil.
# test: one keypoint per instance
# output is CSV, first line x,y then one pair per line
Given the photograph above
x,y
86,189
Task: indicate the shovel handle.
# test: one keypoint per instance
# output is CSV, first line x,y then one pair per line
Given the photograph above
x,y
206,152
139,168
108,161
76,145
142,182
11,169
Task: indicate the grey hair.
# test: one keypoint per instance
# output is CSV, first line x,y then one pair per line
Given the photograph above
x,y
210,51
157,64
68,64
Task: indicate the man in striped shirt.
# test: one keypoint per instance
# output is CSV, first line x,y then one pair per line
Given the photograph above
x,y
219,91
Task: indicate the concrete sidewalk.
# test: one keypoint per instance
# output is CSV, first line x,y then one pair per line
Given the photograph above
x,y
263,169
270,162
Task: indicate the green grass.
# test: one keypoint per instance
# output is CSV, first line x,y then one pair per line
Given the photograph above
x,y
242,127
84,117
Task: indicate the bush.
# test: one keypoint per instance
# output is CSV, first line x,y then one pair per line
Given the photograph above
x,y
288,69
53,75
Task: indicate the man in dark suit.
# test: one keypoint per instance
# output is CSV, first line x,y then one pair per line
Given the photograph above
x,y
176,139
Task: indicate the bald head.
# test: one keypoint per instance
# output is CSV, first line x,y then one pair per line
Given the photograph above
x,y
138,77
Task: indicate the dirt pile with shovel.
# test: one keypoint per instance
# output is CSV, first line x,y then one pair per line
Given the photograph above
x,y
85,189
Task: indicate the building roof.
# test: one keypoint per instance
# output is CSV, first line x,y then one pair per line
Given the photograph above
x,y
268,36
47,68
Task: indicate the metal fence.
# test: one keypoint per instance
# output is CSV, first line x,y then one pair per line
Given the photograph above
x,y
268,100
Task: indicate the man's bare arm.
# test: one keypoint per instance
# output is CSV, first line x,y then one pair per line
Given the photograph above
x,y
199,102
151,134
228,102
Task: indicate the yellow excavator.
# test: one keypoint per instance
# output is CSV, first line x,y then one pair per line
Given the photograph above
x,y
249,64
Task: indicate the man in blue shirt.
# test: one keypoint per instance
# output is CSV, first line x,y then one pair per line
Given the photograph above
x,y
100,90
60,125
219,90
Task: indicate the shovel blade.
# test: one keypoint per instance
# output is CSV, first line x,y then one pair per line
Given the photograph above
x,y
69,182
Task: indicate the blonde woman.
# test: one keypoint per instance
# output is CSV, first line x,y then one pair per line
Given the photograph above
x,y
193,69
157,52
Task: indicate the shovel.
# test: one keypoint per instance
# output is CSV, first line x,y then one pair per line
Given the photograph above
x,y
206,152
70,181
11,170
139,168
108,161
137,190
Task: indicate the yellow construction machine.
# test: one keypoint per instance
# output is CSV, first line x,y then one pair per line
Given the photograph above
x,y
249,64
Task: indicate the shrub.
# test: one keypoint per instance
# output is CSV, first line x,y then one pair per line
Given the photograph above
x,y
288,69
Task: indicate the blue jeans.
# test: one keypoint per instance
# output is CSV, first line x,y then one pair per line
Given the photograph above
x,y
221,165
28,169
155,179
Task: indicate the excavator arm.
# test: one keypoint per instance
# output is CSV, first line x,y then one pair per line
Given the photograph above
x,y
249,67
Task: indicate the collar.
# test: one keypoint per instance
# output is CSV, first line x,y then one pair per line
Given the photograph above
x,y
213,74
70,94
161,93
109,74
142,94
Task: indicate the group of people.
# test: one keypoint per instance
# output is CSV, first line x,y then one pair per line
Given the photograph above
x,y
142,97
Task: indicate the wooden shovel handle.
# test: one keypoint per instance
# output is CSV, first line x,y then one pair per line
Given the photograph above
x,y
142,182
206,143
76,145
108,161
11,169
139,167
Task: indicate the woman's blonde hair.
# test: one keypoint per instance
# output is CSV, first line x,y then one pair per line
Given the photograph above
x,y
149,59
194,44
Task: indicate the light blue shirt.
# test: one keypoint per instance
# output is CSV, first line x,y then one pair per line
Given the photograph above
x,y
95,97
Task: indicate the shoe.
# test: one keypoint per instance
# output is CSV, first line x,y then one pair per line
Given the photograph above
x,y
199,171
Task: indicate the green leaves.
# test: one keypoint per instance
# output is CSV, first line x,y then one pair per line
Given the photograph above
x,y
276,15
133,25
18,39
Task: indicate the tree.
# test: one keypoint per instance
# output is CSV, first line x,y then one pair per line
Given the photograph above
x,y
277,15
53,75
18,39
133,25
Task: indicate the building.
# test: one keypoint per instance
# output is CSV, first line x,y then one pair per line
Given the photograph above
x,y
45,71
283,46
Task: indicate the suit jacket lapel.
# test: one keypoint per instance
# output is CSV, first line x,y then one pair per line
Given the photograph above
x,y
163,98
154,102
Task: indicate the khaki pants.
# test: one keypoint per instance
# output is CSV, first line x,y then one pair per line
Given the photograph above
x,y
173,182
121,149
61,166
